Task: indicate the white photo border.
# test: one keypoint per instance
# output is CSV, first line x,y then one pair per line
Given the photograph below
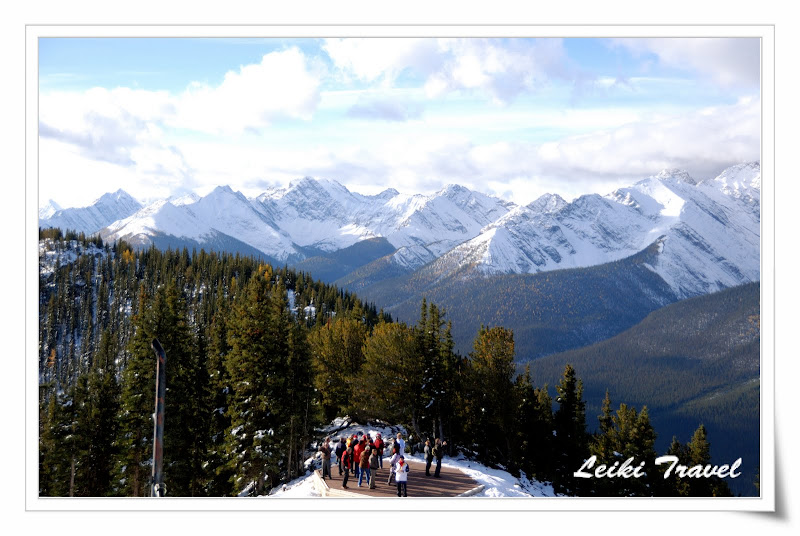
x,y
765,503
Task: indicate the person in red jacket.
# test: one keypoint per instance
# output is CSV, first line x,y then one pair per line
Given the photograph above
x,y
379,446
357,450
347,460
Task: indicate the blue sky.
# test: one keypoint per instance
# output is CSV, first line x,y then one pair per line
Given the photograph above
x,y
510,117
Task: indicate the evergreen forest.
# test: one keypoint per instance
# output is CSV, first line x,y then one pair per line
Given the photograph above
x,y
259,357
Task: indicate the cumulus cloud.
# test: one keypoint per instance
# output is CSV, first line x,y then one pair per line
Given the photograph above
x,y
284,85
500,69
371,59
104,124
106,121
702,142
728,62
134,129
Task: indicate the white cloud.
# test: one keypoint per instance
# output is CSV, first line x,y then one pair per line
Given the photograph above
x,y
371,59
501,70
128,135
128,138
728,62
284,85
703,142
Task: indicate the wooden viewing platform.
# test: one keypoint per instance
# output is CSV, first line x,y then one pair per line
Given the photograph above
x,y
452,483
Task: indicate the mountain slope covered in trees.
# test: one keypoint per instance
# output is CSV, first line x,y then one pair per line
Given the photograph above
x,y
549,312
691,362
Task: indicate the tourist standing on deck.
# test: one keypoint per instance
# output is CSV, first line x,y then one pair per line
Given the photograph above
x,y
379,445
357,451
364,466
393,461
428,457
402,477
325,450
347,462
438,453
373,467
340,448
401,443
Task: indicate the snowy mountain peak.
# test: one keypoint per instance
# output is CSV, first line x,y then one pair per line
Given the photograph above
x,y
304,184
49,209
187,199
548,203
677,174
387,194
226,193
451,190
118,198
107,209
222,190
740,178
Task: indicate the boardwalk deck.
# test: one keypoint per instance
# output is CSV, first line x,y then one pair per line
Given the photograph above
x,y
451,484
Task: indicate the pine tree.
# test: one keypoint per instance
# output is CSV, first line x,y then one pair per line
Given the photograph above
x,y
219,475
257,367
492,370
337,351
571,439
56,446
391,377
184,431
303,406
137,403
96,425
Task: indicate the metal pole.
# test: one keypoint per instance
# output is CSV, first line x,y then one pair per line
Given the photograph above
x,y
158,418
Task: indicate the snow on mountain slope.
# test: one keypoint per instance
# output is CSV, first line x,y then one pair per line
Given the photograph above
x,y
324,214
233,214
158,217
187,199
90,219
48,210
315,213
708,234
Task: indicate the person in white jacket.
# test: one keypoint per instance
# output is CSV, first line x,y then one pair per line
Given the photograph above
x,y
401,473
393,463
402,444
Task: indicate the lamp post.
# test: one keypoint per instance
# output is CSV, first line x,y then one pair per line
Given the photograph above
x,y
158,418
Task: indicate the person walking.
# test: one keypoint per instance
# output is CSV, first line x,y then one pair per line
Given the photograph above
x,y
402,477
373,467
364,466
340,448
379,445
347,461
353,443
428,457
438,453
325,450
358,449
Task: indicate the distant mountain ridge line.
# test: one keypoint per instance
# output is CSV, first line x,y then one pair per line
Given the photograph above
x,y
459,228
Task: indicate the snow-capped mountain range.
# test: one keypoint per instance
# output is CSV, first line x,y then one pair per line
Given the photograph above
x,y
707,233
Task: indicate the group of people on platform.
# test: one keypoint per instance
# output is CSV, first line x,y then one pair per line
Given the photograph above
x,y
361,456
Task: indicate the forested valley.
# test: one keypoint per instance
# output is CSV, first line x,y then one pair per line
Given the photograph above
x,y
259,357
